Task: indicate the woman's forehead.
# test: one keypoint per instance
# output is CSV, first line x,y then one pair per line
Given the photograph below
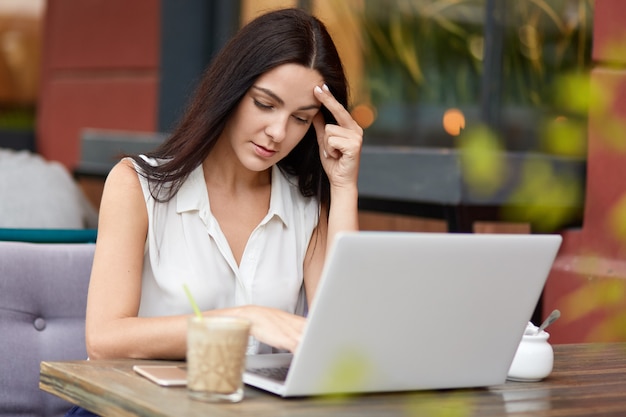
x,y
291,82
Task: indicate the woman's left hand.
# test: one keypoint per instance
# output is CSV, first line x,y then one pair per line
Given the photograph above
x,y
340,144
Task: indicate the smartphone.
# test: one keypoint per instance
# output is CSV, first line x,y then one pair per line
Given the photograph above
x,y
166,376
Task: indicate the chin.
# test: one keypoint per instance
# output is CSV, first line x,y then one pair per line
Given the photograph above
x,y
255,165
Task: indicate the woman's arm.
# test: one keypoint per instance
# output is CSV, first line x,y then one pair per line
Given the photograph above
x,y
112,326
340,151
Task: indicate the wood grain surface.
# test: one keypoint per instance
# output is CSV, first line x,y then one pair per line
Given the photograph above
x,y
588,379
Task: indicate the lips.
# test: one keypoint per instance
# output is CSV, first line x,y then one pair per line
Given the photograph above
x,y
263,151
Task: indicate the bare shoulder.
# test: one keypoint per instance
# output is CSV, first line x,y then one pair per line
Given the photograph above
x,y
122,193
123,173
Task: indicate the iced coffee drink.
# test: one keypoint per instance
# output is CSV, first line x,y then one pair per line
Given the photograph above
x,y
216,357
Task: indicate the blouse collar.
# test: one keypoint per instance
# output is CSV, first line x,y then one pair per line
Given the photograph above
x,y
193,196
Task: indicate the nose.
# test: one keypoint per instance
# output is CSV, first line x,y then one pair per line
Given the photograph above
x,y
277,129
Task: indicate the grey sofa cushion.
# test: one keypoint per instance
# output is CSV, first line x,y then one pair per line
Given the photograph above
x,y
43,295
37,193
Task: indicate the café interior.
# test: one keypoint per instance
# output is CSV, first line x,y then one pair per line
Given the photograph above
x,y
480,116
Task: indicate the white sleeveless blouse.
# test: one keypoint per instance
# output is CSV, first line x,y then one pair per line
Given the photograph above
x,y
185,245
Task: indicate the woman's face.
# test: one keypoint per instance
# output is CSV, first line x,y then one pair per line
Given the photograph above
x,y
273,116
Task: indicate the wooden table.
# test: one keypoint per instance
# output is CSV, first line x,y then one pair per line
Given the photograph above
x,y
588,379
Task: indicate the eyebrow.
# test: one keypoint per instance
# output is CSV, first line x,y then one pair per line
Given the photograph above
x,y
280,100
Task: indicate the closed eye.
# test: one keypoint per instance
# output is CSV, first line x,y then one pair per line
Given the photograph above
x,y
301,120
262,105
266,107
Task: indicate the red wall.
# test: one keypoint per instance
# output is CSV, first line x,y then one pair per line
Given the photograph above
x,y
588,281
100,69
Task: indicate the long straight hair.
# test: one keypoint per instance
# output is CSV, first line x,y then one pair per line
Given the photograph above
x,y
287,36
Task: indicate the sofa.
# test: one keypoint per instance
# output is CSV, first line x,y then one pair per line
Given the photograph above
x,y
43,294
42,194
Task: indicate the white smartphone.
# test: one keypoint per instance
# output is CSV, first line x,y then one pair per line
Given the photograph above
x,y
167,376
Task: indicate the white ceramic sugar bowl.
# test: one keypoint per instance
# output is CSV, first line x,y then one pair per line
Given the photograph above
x,y
534,358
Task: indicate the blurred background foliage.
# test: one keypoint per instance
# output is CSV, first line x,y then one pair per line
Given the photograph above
x,y
516,74
425,56
20,50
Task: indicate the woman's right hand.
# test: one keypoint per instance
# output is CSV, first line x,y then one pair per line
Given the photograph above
x,y
271,326
339,144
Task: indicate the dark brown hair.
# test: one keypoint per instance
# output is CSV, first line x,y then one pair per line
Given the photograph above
x,y
280,37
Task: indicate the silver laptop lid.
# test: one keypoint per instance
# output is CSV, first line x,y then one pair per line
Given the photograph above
x,y
401,311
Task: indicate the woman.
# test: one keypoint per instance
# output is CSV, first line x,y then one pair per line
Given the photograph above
x,y
240,204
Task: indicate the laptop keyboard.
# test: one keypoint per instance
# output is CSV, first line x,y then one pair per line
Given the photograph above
x,y
277,374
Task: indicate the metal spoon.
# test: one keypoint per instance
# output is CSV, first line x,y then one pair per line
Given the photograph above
x,y
548,321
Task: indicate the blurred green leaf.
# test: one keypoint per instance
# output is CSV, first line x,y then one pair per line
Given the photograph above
x,y
482,160
549,198
448,406
564,136
572,93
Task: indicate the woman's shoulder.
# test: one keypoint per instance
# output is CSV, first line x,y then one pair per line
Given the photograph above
x,y
124,170
129,168
122,178
122,191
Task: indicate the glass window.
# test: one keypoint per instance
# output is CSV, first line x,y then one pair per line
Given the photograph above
x,y
427,69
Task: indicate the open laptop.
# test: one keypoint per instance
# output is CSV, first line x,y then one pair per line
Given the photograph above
x,y
398,311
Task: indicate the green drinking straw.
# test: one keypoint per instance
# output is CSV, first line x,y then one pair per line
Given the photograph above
x,y
192,302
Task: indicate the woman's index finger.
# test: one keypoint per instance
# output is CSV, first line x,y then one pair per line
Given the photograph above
x,y
340,113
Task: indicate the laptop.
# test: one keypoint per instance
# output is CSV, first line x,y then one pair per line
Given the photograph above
x,y
404,311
